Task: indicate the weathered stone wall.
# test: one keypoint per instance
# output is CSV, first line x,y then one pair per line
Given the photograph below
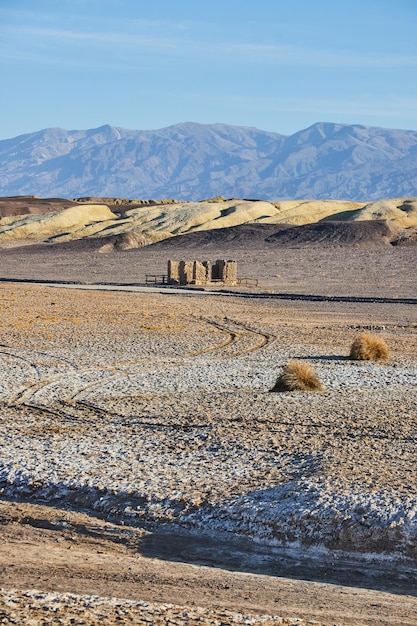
x,y
225,271
217,270
230,272
201,272
185,272
173,272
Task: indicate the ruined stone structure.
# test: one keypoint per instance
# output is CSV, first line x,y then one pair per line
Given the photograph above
x,y
185,272
202,273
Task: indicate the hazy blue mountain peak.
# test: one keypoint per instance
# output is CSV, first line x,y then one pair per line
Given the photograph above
x,y
191,161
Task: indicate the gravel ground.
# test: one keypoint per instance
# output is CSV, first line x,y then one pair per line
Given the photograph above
x,y
155,410
68,609
320,269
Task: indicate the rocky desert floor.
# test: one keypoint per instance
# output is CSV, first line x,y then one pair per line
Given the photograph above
x,y
149,476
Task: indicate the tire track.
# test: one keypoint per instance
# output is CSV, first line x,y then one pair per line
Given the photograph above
x,y
37,366
264,338
62,393
236,337
233,338
28,394
21,358
52,357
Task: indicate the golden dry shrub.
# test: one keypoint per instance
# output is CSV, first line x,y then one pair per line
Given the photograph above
x,y
298,376
369,347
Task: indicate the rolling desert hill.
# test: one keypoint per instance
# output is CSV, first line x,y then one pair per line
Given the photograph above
x,y
190,161
369,233
337,233
32,205
114,224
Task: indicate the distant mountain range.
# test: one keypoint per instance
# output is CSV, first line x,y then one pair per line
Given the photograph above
x,y
194,161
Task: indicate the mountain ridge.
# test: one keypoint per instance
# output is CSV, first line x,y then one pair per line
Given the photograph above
x,y
191,161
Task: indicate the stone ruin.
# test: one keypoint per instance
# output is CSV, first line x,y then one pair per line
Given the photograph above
x,y
202,272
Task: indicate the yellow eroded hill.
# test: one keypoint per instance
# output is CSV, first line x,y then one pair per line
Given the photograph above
x,y
161,221
41,227
403,212
300,212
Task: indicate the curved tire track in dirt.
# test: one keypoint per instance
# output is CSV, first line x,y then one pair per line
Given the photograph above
x,y
21,358
237,333
242,333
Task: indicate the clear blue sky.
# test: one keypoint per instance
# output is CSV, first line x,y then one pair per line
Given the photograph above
x,y
278,65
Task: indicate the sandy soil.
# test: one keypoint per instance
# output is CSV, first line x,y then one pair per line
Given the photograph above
x,y
90,374
94,557
326,270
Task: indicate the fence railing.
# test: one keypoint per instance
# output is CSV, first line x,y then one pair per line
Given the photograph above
x,y
248,282
162,279
156,279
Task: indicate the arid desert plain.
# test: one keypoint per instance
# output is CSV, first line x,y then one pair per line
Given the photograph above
x,y
149,476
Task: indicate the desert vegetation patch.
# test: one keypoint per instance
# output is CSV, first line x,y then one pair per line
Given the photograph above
x,y
369,347
297,376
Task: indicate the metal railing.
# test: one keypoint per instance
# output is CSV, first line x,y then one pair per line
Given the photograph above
x,y
248,282
162,279
156,279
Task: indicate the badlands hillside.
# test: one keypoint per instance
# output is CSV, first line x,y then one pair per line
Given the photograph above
x,y
112,223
